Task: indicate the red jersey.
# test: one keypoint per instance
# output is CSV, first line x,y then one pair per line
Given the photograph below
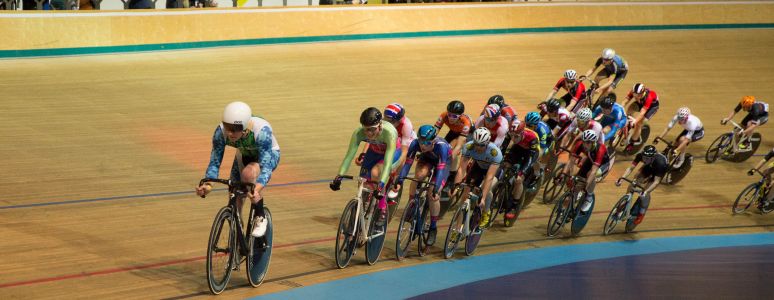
x,y
575,90
649,98
598,155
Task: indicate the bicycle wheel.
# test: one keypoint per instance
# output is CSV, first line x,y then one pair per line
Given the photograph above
x,y
220,251
406,229
454,234
471,242
634,213
559,214
718,147
746,198
499,196
581,218
375,240
424,222
615,214
554,188
346,240
260,253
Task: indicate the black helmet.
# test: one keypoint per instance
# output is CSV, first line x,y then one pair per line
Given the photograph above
x,y
497,99
456,107
370,117
553,105
608,102
649,151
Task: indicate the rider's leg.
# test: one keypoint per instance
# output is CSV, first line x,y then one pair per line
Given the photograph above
x,y
682,143
751,125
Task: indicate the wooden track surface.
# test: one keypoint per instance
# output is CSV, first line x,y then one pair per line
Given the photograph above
x,y
97,127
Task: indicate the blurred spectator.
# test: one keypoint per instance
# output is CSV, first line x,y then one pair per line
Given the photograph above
x,y
32,5
85,5
140,4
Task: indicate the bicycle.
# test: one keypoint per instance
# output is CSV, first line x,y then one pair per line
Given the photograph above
x,y
674,175
357,226
621,140
754,193
415,223
464,223
239,246
622,210
569,206
724,146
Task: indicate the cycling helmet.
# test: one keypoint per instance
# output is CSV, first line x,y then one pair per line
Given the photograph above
x,y
481,136
517,126
589,136
584,115
237,113
427,132
492,111
371,117
683,113
649,151
570,74
456,107
532,118
608,53
638,88
747,102
496,99
553,105
394,111
607,102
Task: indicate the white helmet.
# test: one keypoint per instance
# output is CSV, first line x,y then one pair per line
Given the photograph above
x,y
584,115
570,74
683,113
589,136
237,113
608,53
481,136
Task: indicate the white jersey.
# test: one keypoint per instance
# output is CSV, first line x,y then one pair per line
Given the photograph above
x,y
692,124
498,131
593,125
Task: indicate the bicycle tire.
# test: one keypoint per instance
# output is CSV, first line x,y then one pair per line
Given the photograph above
x,y
471,241
581,218
217,283
375,244
717,148
422,246
754,188
406,229
345,242
259,256
454,233
613,217
554,188
559,214
499,197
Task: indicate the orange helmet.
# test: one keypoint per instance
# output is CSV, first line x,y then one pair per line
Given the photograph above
x,y
747,102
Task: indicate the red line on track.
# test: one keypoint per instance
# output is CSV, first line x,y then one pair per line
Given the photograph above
x,y
186,260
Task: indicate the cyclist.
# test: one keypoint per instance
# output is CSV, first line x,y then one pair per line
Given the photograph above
x,y
523,154
380,159
612,65
558,117
459,126
434,155
495,122
596,160
582,122
506,110
257,155
611,116
769,170
757,115
396,115
647,102
484,158
692,132
576,90
654,168
532,119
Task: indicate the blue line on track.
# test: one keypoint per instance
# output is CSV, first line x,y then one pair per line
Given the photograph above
x,y
416,280
143,196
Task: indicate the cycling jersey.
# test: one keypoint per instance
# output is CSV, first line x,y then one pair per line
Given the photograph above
x,y
406,132
490,155
439,156
658,167
497,129
597,155
257,145
544,134
460,125
576,90
526,151
649,99
692,125
385,143
615,120
591,124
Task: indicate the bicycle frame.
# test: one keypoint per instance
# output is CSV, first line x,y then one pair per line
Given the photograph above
x,y
235,190
362,217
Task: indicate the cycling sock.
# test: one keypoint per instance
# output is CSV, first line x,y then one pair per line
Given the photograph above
x,y
383,203
433,221
258,209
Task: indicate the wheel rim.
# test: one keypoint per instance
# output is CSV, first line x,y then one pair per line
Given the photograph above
x,y
453,235
405,230
745,198
558,215
260,254
219,253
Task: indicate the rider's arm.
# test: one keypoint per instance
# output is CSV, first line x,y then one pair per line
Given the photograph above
x,y
555,89
411,153
390,138
462,169
653,185
354,141
733,112
502,131
439,122
490,173
216,155
444,162
669,126
596,65
264,140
